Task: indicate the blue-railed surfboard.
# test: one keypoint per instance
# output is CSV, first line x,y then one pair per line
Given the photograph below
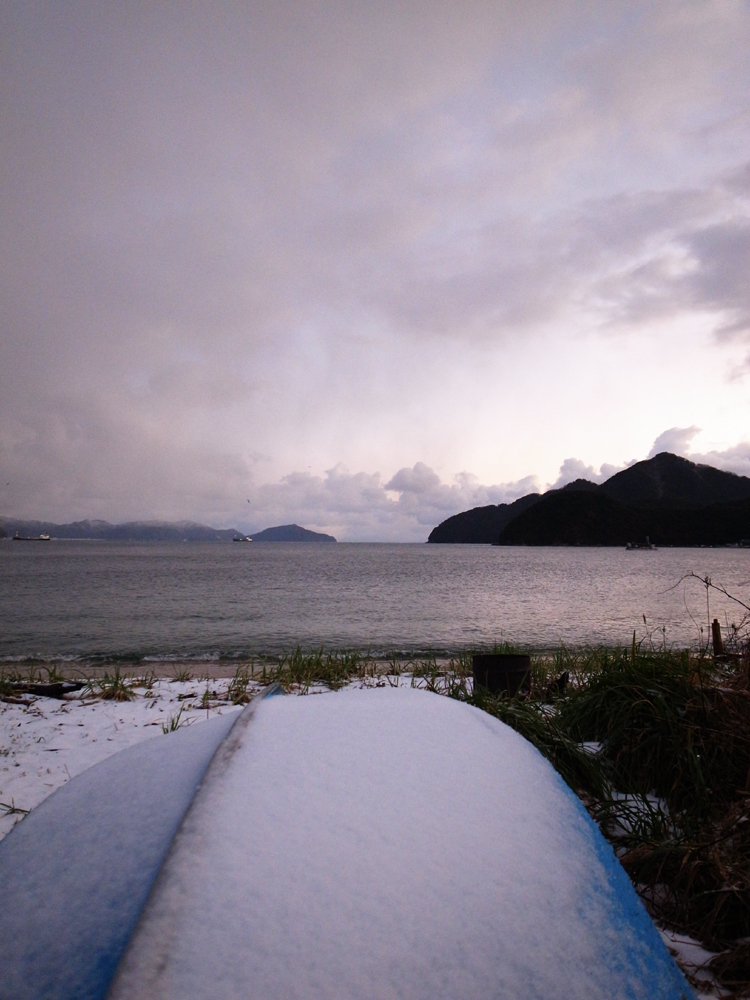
x,y
361,844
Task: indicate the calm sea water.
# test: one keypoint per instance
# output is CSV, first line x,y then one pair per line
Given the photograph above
x,y
190,600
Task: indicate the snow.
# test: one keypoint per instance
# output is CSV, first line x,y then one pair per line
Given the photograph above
x,y
390,843
44,745
694,957
75,875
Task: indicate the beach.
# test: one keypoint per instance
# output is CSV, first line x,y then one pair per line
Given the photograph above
x,y
47,741
44,741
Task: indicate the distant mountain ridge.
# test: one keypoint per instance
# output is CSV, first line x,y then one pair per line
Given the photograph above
x,y
131,531
153,531
671,499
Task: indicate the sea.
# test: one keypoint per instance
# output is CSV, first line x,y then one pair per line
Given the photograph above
x,y
195,600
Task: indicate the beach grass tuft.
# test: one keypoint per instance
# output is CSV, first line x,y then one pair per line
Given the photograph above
x,y
300,670
146,680
174,722
238,686
114,686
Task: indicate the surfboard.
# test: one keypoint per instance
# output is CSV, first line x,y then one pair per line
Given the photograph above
x,y
381,843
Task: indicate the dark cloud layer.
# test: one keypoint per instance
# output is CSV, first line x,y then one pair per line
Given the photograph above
x,y
244,240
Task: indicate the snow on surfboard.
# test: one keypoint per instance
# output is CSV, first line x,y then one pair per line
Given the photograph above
x,y
366,843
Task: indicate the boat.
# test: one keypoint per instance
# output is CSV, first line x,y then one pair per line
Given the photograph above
x,y
38,538
632,546
242,538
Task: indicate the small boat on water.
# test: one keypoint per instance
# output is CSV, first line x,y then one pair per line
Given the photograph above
x,y
37,538
631,546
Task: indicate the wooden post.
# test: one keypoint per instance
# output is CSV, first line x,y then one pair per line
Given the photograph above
x,y
716,636
506,673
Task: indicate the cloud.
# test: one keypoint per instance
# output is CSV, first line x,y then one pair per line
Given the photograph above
x,y
574,468
677,255
419,480
265,238
360,507
678,441
734,459
675,440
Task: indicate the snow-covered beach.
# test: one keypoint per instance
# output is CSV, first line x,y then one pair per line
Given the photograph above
x,y
44,742
47,741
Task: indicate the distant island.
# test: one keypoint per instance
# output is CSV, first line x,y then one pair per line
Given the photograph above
x,y
290,533
154,531
670,499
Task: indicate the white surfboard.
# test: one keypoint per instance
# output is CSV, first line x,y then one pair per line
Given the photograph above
x,y
371,844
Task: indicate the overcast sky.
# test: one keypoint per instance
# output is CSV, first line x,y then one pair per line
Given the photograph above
x,y
365,265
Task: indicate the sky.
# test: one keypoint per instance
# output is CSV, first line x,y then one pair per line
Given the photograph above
x,y
362,266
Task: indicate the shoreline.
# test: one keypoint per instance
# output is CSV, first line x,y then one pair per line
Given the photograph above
x,y
167,667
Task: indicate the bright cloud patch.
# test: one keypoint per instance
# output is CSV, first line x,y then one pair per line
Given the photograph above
x,y
359,506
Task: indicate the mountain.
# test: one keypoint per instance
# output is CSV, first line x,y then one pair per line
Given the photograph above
x,y
156,531
596,519
132,531
670,499
481,524
290,533
670,481
166,531
580,518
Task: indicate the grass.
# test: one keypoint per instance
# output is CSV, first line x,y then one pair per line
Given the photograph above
x,y
174,722
53,674
299,671
238,686
114,686
146,680
12,809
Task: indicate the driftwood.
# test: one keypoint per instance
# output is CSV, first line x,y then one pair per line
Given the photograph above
x,y
57,689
